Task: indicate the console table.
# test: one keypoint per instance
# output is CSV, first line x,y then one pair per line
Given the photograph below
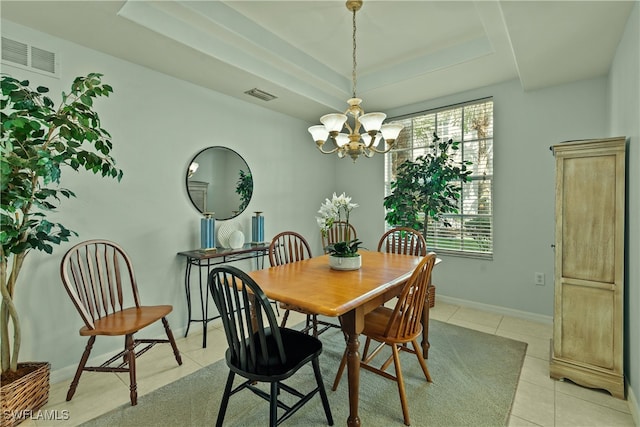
x,y
205,259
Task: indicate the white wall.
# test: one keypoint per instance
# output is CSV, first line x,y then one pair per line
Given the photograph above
x,y
525,125
624,119
158,123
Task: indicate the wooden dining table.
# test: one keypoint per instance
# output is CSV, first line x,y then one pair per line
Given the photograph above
x,y
313,286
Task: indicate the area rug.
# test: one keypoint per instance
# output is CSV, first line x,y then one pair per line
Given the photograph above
x,y
475,376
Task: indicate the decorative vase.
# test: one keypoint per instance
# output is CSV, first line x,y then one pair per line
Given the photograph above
x,y
345,263
257,228
25,395
236,239
207,231
224,232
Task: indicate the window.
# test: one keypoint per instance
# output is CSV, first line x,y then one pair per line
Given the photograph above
x,y
471,229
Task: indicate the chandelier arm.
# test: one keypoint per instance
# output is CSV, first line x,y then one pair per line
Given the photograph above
x,y
327,152
371,143
348,126
367,152
375,150
333,150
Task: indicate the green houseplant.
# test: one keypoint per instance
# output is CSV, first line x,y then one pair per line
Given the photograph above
x,y
427,187
37,140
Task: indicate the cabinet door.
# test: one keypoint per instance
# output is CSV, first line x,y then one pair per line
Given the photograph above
x,y
589,268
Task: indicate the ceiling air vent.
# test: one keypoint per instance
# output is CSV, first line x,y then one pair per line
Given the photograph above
x,y
28,57
260,94
16,52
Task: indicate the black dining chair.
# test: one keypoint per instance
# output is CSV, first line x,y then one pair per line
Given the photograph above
x,y
259,350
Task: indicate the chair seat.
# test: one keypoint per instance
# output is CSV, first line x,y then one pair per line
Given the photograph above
x,y
127,321
299,349
375,325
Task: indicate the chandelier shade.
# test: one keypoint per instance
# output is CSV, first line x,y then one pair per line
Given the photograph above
x,y
353,120
371,122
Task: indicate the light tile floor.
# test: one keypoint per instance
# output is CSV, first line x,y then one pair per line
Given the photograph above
x,y
539,400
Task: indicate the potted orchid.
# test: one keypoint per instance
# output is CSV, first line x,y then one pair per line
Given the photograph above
x,y
343,254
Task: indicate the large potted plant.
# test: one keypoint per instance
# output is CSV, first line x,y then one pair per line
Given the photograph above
x,y
343,255
37,140
427,187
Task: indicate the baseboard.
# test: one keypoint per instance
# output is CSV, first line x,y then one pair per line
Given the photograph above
x,y
534,317
632,401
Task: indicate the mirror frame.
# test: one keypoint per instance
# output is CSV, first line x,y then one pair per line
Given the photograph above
x,y
233,182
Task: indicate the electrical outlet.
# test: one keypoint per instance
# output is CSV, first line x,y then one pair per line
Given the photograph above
x,y
538,279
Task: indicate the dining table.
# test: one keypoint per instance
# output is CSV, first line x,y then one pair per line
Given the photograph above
x,y
314,287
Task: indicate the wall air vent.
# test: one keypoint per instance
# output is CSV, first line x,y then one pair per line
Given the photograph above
x,y
260,94
27,57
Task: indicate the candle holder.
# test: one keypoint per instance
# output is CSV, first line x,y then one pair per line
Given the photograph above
x,y
257,228
207,232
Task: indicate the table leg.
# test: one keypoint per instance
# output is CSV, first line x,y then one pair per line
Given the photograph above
x,y
187,289
352,325
204,305
425,329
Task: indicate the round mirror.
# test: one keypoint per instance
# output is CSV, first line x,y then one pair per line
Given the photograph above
x,y
219,180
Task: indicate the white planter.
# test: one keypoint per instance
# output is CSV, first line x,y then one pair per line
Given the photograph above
x,y
345,263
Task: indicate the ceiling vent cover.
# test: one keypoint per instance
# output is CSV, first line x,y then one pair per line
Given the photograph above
x,y
28,57
260,94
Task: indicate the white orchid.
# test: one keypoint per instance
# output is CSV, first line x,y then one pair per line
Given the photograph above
x,y
331,211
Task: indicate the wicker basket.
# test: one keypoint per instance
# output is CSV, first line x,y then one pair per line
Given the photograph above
x,y
28,393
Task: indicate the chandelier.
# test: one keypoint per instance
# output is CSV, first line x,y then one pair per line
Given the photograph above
x,y
353,143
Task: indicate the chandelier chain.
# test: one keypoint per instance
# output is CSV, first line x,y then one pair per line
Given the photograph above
x,y
354,143
353,73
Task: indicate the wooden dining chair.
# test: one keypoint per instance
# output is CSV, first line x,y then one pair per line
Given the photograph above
x,y
395,327
287,247
403,240
259,350
407,241
98,276
340,231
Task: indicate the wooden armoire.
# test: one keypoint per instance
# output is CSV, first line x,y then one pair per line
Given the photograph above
x,y
587,346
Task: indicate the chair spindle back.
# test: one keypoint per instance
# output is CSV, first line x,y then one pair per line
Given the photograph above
x,y
287,247
407,314
403,240
251,344
98,276
339,232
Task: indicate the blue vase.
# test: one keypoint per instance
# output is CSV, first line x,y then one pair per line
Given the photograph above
x,y
257,228
207,232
